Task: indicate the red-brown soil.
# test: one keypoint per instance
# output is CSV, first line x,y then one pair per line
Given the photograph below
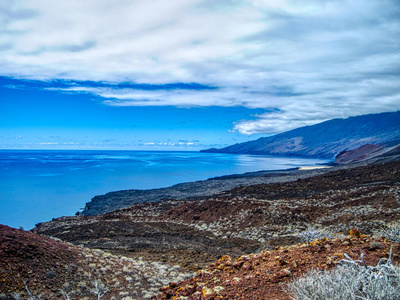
x,y
368,152
38,260
264,275
47,267
355,155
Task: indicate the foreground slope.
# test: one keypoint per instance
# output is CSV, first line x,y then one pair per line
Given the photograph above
x,y
50,268
326,139
263,276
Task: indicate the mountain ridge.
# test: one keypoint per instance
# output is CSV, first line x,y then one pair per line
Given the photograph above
x,y
324,140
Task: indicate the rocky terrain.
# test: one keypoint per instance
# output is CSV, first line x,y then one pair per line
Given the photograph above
x,y
264,275
191,190
243,241
51,269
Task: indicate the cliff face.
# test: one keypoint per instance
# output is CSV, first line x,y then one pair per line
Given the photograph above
x,y
325,140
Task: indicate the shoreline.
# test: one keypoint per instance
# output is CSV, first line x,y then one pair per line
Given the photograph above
x,y
313,167
60,183
193,190
111,201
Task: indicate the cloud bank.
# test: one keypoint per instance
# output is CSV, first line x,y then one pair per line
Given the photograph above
x,y
302,61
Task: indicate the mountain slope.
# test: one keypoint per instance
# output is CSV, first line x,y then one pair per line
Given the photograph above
x,y
52,269
325,139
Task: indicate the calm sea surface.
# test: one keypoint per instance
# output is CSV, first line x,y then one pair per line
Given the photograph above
x,y
36,186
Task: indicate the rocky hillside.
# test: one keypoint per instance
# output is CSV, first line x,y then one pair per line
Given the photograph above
x,y
264,276
326,139
367,152
51,269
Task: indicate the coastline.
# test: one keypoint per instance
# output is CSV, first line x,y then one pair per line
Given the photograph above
x,y
313,167
192,190
42,185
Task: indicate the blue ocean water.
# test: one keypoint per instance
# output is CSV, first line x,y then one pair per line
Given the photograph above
x,y
38,185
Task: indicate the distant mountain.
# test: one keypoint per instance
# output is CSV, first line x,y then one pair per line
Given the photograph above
x,y
326,139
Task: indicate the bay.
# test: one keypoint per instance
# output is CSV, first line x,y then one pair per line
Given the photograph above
x,y
38,185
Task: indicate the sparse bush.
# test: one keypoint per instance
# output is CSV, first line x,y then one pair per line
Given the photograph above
x,y
312,234
350,281
392,232
17,296
66,291
66,295
99,289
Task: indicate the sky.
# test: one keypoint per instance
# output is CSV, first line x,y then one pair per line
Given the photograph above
x,y
189,74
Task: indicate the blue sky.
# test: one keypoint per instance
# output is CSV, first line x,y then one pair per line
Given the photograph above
x,y
38,118
189,74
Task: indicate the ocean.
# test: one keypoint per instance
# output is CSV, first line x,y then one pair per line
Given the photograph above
x,y
38,185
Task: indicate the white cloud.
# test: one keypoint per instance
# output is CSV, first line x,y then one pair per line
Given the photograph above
x,y
311,60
